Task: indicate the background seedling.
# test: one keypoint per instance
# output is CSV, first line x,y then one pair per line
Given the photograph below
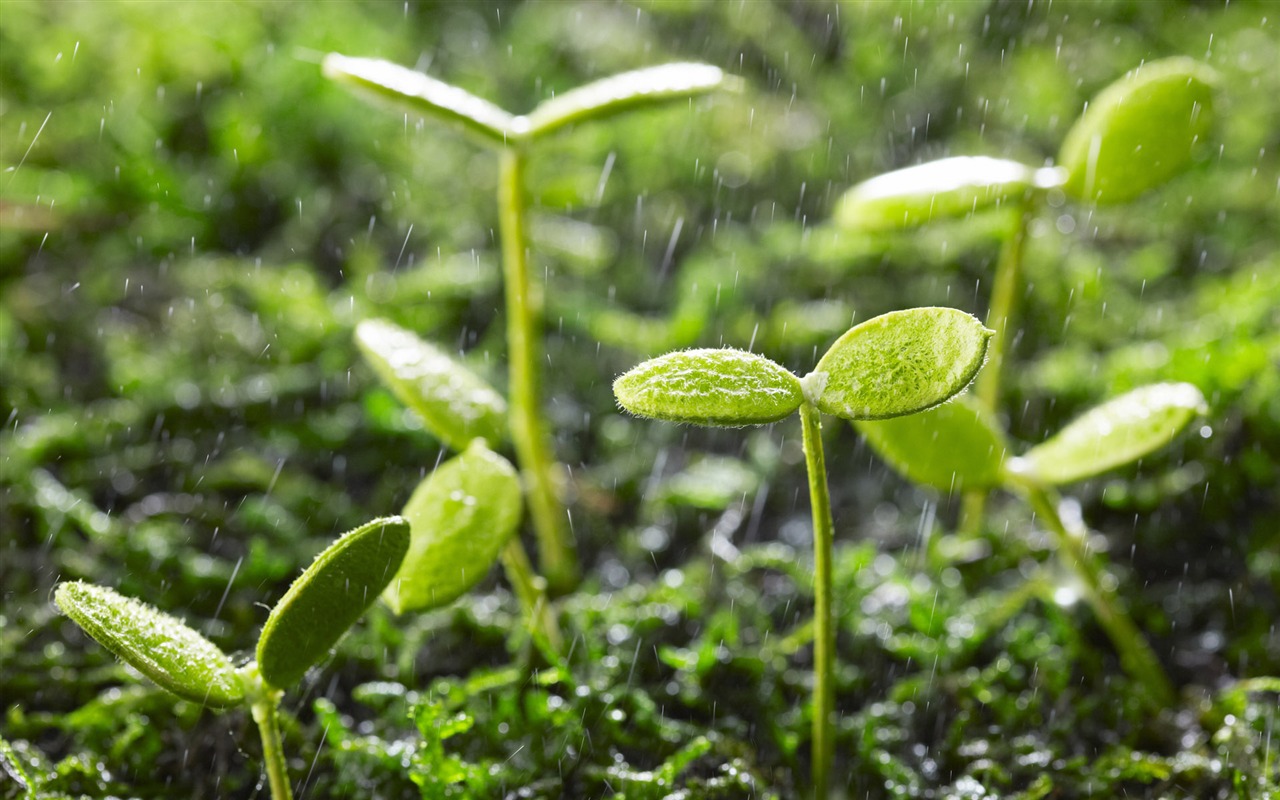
x,y
514,137
895,364
314,613
1135,135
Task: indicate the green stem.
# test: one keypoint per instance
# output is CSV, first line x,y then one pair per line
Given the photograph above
x,y
531,589
531,441
1000,317
824,620
1136,656
265,712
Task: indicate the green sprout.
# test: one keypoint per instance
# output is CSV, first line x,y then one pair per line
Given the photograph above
x,y
514,137
896,364
1135,135
326,600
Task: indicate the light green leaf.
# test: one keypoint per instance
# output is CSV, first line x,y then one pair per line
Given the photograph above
x,y
952,447
1118,432
410,90
455,404
944,189
329,597
710,387
460,517
898,363
630,90
1140,131
154,643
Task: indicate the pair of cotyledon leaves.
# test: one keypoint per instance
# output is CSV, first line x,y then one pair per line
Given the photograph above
x,y
960,446
898,363
326,600
1135,135
425,95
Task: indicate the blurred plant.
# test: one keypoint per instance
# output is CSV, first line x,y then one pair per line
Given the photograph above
x,y
893,365
314,613
514,137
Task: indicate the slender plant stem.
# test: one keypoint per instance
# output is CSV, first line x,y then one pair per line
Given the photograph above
x,y
1136,656
528,434
531,589
1000,318
824,639
266,713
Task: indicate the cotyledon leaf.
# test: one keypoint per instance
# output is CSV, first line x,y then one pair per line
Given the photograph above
x,y
460,517
455,404
710,387
1118,432
1140,131
898,363
952,447
947,188
327,599
629,90
159,646
410,90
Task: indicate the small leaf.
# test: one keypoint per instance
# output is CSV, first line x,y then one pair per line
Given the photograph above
x,y
945,189
630,90
952,447
460,518
710,387
455,404
1118,432
899,363
159,646
1140,131
328,598
410,90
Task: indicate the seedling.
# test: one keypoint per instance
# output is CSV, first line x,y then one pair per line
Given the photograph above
x,y
314,613
896,364
1135,135
514,137
961,446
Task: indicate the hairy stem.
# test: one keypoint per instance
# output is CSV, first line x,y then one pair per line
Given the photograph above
x,y
1136,656
824,631
265,711
528,435
531,589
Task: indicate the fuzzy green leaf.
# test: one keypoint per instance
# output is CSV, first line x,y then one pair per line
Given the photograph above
x,y
629,90
455,404
1140,131
944,189
710,387
1118,432
156,644
898,363
329,597
460,518
952,447
412,91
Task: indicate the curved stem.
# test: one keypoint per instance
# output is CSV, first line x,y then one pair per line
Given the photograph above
x,y
824,620
266,712
531,589
528,435
1136,656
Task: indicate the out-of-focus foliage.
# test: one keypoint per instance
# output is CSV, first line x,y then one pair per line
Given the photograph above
x,y
192,221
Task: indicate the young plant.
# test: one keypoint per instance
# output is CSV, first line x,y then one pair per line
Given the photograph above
x,y
961,446
514,137
314,613
1135,135
896,364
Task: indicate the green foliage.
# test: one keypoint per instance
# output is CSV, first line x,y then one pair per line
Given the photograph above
x,y
1140,131
326,599
710,387
156,644
454,403
460,517
952,447
898,363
